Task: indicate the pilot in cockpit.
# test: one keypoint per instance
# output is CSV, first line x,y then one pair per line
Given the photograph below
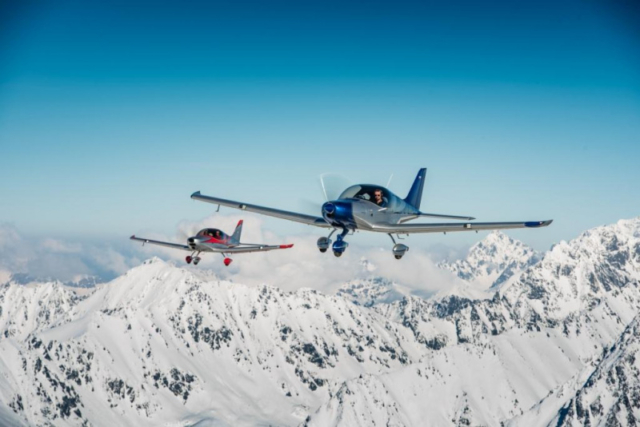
x,y
378,199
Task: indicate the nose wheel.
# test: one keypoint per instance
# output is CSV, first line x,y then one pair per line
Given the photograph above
x,y
339,246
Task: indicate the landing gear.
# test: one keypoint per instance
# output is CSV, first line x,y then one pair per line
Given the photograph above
x,y
191,258
227,260
398,248
339,246
325,242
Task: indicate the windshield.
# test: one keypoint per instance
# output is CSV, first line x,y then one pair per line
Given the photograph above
x,y
371,193
211,232
351,192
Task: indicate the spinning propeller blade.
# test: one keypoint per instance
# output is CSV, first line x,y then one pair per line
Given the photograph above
x,y
332,185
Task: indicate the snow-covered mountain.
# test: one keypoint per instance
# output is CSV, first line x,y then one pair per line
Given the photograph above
x,y
370,291
606,395
167,345
160,343
492,262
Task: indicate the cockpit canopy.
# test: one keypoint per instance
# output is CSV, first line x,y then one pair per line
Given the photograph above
x,y
366,192
375,194
212,232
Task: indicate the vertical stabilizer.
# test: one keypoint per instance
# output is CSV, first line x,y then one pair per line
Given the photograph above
x,y
415,194
235,238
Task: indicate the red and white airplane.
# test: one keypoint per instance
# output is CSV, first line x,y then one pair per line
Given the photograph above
x,y
214,240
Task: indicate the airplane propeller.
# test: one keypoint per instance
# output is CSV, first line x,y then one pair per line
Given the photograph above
x,y
332,185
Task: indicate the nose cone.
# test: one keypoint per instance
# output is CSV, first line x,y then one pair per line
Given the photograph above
x,y
193,241
338,213
328,209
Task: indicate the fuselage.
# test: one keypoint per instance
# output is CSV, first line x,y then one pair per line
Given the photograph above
x,y
210,240
361,207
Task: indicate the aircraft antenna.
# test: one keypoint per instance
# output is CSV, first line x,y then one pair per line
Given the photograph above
x,y
389,182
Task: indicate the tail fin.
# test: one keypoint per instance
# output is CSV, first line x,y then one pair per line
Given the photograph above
x,y
235,238
415,194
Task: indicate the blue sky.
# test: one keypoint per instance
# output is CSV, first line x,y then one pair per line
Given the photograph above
x,y
112,114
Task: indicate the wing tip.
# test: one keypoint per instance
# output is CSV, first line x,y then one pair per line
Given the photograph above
x,y
286,246
133,236
195,194
536,224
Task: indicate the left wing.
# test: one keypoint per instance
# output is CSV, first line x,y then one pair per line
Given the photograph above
x,y
159,243
442,228
254,248
277,213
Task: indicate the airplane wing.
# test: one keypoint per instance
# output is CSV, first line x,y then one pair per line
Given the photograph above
x,y
254,248
469,226
432,215
277,213
159,243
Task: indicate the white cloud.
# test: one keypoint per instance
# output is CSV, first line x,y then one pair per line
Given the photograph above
x,y
303,265
54,245
59,259
290,269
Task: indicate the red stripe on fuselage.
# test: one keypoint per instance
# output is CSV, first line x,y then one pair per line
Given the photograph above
x,y
218,241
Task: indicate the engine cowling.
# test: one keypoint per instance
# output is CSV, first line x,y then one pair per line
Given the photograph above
x,y
399,250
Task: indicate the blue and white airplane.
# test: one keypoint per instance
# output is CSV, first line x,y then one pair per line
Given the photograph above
x,y
373,208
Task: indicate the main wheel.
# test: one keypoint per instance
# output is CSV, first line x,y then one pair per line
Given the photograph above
x,y
398,256
337,254
188,259
323,250
196,261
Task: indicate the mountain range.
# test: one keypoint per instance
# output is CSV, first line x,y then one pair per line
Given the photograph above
x,y
522,338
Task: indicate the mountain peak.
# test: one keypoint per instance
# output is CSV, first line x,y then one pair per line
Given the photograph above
x,y
493,260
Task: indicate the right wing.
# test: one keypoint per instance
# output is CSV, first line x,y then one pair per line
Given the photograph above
x,y
444,227
254,248
159,243
277,213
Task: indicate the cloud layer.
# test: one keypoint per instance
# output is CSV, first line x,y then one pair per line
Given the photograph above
x,y
67,261
303,266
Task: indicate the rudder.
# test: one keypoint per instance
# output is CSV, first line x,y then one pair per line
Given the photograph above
x,y
235,238
415,193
